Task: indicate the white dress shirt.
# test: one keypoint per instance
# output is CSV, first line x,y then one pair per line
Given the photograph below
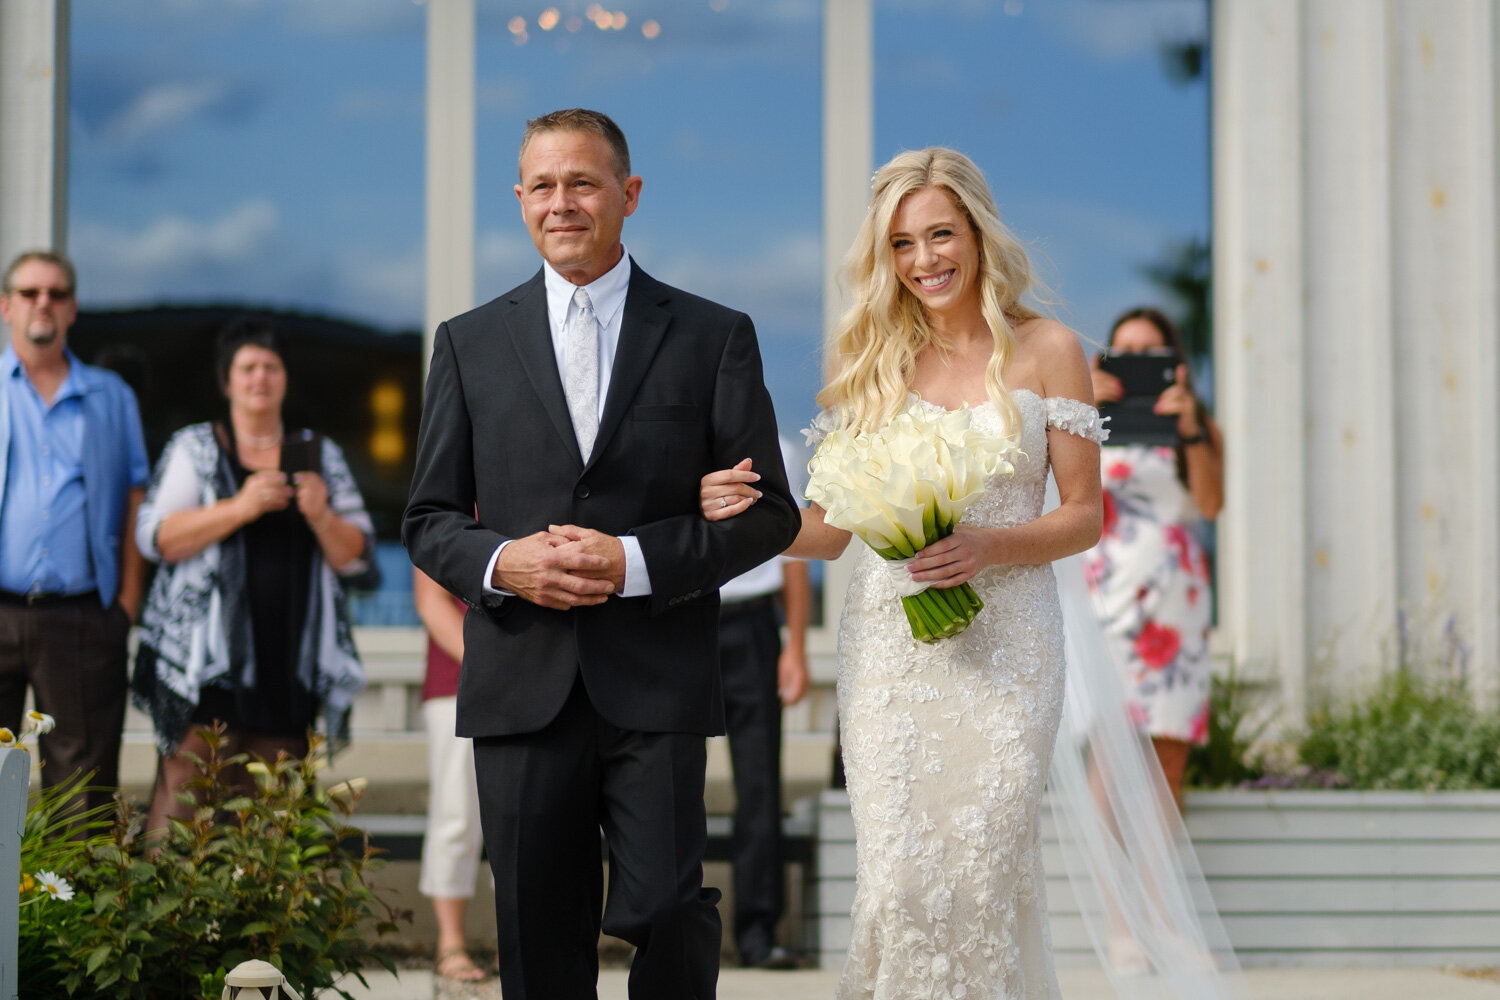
x,y
607,293
768,578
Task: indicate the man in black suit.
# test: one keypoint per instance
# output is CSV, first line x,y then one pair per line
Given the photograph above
x,y
565,429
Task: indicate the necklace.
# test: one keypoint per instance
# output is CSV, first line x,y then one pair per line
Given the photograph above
x,y
262,443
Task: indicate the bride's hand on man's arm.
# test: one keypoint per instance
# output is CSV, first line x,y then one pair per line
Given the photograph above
x,y
728,493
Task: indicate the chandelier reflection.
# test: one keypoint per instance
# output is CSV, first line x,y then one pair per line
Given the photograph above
x,y
596,14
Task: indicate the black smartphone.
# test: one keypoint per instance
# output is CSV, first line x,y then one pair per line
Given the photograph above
x,y
301,451
1147,373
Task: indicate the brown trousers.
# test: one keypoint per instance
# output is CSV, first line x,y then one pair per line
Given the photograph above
x,y
73,657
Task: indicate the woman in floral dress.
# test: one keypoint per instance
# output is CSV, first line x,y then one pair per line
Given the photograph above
x,y
1149,575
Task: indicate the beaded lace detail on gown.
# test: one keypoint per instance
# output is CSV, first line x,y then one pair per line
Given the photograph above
x,y
946,750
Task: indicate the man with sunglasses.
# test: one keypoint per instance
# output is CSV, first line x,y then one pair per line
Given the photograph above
x,y
73,470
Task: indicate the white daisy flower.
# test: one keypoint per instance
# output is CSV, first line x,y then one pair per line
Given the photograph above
x,y
55,886
40,723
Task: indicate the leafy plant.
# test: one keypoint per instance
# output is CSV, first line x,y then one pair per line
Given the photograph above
x,y
278,875
1227,758
1408,732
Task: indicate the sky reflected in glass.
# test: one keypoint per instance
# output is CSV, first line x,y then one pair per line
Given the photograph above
x,y
271,151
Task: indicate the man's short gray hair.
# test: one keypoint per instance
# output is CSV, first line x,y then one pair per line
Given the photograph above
x,y
583,120
46,257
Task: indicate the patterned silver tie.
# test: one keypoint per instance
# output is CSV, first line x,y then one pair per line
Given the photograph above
x,y
581,383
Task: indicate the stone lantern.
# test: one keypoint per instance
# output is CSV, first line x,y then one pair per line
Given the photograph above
x,y
257,980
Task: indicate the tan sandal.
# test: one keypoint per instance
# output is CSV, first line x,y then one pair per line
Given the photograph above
x,y
454,963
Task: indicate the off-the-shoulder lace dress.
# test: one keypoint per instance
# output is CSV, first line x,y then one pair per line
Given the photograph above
x,y
946,749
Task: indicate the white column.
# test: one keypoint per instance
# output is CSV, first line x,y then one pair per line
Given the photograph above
x,y
1358,336
33,125
848,153
848,134
1443,61
450,162
1483,361
1348,338
1258,272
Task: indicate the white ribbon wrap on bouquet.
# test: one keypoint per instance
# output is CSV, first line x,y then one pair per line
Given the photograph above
x,y
901,578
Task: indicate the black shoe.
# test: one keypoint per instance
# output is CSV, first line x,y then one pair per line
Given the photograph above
x,y
775,957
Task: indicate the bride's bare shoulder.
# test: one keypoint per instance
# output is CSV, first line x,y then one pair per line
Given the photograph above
x,y
1044,334
1052,355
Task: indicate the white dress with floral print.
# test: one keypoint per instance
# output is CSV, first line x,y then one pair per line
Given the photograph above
x,y
1149,578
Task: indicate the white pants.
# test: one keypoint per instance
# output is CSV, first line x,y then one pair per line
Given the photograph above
x,y
450,848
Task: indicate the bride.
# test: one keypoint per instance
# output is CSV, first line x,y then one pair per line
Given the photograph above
x,y
948,746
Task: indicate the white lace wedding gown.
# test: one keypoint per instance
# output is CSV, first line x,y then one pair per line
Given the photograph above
x,y
946,750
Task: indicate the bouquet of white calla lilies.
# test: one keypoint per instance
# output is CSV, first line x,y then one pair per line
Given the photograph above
x,y
903,487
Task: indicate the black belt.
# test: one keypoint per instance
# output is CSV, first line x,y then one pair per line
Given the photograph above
x,y
33,599
765,602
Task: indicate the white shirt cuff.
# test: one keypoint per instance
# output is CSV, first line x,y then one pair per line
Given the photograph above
x,y
488,589
637,580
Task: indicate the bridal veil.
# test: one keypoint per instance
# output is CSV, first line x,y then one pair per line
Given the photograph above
x,y
1130,865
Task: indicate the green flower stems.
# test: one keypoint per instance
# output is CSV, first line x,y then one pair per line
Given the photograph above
x,y
936,613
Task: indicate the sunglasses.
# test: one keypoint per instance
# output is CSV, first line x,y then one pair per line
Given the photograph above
x,y
55,294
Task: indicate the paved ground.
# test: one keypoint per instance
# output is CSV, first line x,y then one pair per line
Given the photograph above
x,y
1264,984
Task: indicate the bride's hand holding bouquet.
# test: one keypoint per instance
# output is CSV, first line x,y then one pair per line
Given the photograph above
x,y
954,560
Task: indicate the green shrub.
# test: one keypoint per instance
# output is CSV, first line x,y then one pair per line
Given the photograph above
x,y
279,875
1227,758
1408,732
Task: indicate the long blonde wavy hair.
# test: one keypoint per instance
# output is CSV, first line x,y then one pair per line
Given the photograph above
x,y
871,352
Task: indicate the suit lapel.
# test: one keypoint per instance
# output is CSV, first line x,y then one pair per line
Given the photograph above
x,y
531,336
641,330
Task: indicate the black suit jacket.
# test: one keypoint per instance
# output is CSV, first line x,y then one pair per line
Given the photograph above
x,y
686,396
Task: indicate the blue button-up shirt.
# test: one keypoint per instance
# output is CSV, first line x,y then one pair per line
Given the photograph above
x,y
48,532
44,540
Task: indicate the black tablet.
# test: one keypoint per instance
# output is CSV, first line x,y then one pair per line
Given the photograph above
x,y
1144,377
1146,374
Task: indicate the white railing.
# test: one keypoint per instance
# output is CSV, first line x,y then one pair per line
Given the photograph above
x,y
15,774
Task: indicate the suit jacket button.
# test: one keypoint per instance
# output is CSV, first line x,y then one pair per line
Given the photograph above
x,y
581,491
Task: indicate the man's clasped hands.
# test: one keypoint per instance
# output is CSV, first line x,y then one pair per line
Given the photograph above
x,y
563,567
